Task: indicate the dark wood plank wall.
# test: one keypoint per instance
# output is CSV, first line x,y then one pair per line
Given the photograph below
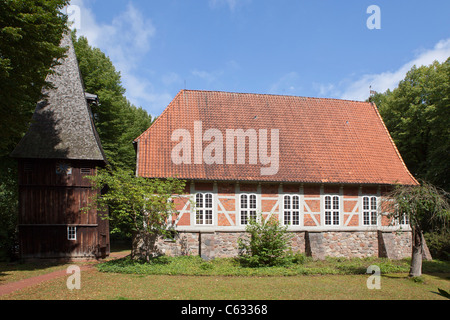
x,y
43,173
50,202
41,241
56,205
103,235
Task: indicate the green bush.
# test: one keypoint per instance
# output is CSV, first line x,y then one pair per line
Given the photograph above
x,y
299,258
265,245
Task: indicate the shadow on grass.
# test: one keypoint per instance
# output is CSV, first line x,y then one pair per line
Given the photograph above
x,y
18,270
437,268
10,270
442,293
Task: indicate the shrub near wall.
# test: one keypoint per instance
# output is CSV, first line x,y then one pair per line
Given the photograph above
x,y
267,244
319,245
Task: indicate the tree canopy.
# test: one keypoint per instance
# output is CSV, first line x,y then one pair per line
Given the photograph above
x,y
417,114
118,122
141,207
30,35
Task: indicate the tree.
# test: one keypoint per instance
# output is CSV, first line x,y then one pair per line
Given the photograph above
x,y
417,114
139,206
30,36
424,206
8,209
118,122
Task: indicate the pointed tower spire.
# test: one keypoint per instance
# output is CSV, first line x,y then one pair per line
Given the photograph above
x,y
62,126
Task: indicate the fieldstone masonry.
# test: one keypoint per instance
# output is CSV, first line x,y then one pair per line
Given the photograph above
x,y
319,245
350,244
387,245
226,244
314,245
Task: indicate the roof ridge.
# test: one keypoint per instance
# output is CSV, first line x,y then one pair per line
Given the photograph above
x,y
240,93
272,94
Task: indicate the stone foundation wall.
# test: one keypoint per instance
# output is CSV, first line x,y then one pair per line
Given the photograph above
x,y
319,245
395,245
403,244
298,242
350,244
226,244
185,244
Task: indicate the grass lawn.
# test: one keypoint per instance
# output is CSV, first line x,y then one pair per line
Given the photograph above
x,y
12,272
223,279
113,286
195,266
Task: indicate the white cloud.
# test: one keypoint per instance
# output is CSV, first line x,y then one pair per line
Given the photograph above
x,y
326,90
215,76
171,78
205,75
359,89
126,39
232,4
139,90
286,85
87,25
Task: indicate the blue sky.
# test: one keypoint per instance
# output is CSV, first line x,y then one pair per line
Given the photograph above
x,y
320,48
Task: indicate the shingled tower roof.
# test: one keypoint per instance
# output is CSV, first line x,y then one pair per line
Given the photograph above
x,y
62,126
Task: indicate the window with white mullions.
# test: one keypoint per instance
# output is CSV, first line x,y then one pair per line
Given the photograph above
x,y
248,208
370,209
332,211
72,233
404,220
204,209
291,212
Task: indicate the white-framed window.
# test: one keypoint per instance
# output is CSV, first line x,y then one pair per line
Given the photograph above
x,y
72,233
332,210
370,209
204,209
291,210
404,220
247,208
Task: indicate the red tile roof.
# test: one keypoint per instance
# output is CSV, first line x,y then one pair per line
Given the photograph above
x,y
320,140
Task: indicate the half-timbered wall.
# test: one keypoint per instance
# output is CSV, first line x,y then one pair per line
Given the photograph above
x,y
274,200
343,226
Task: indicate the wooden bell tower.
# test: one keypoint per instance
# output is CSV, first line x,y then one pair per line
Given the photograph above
x,y
59,150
